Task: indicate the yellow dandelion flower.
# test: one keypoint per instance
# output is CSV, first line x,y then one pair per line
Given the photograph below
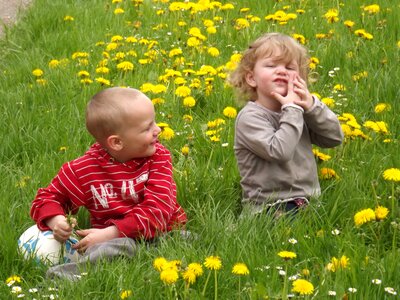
x,y
214,52
189,276
302,287
328,102
125,294
159,263
118,11
103,81
102,70
54,63
187,118
175,52
305,272
213,263
336,264
196,268
300,38
183,91
158,89
125,66
77,55
332,15
83,74
158,101
321,156
240,269
211,30
364,216
86,81
41,81
241,23
381,107
68,18
185,150
339,87
287,255
372,9
169,275
37,72
189,102
230,112
193,42
364,34
381,212
392,174
13,279
166,133
349,23
328,173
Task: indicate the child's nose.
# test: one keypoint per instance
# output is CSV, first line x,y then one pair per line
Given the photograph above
x,y
282,70
157,130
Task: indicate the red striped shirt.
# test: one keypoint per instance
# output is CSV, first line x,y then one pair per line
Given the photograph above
x,y
138,196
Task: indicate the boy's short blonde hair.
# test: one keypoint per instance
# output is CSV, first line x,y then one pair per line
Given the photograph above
x,y
265,46
106,112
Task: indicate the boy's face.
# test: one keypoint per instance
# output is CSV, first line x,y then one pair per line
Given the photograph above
x,y
140,132
272,74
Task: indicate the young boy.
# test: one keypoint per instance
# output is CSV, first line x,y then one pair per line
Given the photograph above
x,y
277,127
124,180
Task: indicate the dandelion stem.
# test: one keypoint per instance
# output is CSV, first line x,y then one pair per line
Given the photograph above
x,y
284,291
215,285
239,290
205,285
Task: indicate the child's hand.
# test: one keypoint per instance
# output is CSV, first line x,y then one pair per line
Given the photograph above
x,y
306,100
292,96
60,227
94,236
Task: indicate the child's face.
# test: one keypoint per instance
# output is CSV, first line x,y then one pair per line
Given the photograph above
x,y
140,131
272,74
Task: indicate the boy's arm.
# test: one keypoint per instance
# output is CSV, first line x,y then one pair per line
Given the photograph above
x,y
56,198
324,126
159,207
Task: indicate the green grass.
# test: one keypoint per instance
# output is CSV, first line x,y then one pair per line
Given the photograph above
x,y
37,120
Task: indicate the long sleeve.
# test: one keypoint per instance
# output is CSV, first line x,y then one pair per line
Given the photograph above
x,y
272,139
58,198
323,125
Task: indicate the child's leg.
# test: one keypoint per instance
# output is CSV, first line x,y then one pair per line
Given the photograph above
x,y
106,250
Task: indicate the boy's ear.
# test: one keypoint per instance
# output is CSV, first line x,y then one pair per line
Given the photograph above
x,y
114,142
250,79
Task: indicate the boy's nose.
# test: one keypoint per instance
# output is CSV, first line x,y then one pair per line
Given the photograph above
x,y
157,130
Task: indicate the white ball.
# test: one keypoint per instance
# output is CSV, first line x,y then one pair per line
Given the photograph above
x,y
43,247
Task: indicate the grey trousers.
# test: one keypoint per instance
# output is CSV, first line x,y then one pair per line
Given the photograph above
x,y
118,247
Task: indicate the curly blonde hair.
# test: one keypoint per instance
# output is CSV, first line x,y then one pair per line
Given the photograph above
x,y
265,46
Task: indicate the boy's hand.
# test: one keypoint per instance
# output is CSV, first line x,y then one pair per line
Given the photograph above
x,y
306,100
60,227
94,236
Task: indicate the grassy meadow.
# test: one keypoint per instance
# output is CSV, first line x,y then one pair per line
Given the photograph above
x,y
345,245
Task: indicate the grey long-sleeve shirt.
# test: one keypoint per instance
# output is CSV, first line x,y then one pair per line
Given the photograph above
x,y
274,150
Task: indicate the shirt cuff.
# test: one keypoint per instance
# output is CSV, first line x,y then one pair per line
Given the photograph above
x,y
292,105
